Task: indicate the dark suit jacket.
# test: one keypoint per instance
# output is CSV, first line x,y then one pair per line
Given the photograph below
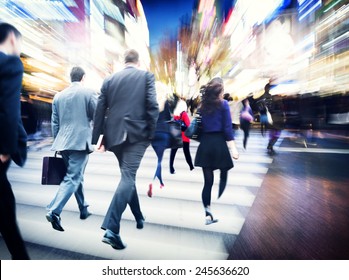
x,y
127,107
13,138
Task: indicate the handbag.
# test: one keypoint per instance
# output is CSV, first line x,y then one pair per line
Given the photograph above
x,y
270,119
194,131
176,135
246,116
53,170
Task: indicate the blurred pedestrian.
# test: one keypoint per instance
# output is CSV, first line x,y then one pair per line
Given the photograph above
x,y
246,117
263,117
180,114
162,138
276,123
72,114
217,144
128,99
235,109
13,138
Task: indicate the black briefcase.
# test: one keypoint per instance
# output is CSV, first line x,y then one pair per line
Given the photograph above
x,y
53,170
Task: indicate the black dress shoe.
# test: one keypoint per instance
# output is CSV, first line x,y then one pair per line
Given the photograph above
x,y
113,240
140,223
84,213
55,220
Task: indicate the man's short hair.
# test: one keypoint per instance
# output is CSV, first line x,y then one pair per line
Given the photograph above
x,y
76,74
131,56
6,29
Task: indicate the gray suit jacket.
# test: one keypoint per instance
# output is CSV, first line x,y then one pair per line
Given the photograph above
x,y
72,113
127,107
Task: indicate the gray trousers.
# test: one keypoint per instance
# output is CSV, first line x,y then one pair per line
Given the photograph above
x,y
72,183
129,157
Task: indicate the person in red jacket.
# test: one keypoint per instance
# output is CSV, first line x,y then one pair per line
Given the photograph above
x,y
180,114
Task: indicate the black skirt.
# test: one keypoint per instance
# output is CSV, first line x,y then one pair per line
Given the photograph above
x,y
213,152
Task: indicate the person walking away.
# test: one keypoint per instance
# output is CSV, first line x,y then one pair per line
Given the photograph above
x,y
246,117
180,114
217,145
72,113
276,109
162,139
274,105
128,99
13,138
263,115
235,109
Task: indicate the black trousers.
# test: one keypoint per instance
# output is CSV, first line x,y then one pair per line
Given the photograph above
x,y
208,183
129,157
8,222
245,126
186,150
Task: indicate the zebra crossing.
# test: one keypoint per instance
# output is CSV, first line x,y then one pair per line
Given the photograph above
x,y
175,223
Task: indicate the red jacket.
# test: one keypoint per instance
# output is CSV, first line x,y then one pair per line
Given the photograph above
x,y
185,118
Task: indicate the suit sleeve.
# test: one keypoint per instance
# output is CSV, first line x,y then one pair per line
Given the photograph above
x,y
10,108
152,107
99,115
54,119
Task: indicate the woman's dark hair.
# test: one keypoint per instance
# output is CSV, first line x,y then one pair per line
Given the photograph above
x,y
212,96
173,101
244,102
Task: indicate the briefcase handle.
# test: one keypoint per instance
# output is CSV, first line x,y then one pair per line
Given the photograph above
x,y
58,153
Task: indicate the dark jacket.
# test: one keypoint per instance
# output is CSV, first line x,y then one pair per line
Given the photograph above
x,y
13,138
218,121
127,107
164,117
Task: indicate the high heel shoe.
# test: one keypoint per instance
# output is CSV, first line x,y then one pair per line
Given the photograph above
x,y
209,217
150,191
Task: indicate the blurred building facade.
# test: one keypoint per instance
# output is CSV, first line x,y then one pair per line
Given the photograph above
x,y
63,33
301,46
60,34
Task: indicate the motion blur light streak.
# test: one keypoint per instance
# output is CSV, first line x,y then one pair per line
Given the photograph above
x,y
247,43
46,10
338,39
308,6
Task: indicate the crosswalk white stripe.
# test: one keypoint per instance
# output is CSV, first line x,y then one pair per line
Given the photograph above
x,y
176,207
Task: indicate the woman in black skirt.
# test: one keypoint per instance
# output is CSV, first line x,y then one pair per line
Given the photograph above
x,y
217,144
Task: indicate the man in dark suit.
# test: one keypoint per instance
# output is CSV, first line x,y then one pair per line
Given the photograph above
x,y
128,101
13,138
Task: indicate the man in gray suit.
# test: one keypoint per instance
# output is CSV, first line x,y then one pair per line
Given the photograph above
x,y
128,101
72,113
